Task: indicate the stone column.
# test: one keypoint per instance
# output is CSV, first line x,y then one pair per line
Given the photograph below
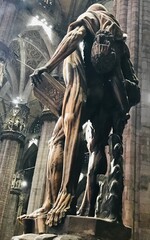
x,y
38,181
8,13
7,17
142,180
10,216
9,152
136,140
12,140
121,9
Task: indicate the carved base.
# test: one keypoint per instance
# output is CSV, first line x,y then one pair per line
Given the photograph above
x,y
31,225
84,227
92,227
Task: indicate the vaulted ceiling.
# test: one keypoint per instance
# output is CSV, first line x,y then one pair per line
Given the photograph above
x,y
38,27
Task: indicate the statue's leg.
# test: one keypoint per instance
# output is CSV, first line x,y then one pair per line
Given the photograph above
x,y
115,180
118,78
102,124
90,189
109,201
119,89
71,167
115,139
119,122
54,172
97,158
72,109
54,165
92,186
127,66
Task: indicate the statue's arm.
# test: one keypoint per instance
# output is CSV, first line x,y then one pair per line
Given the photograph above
x,y
66,47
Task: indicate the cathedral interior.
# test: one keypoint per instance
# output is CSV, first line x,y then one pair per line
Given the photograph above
x,y
30,31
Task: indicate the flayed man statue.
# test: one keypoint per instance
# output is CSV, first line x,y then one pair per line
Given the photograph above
x,y
101,87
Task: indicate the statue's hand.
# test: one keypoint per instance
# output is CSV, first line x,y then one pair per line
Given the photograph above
x,y
36,75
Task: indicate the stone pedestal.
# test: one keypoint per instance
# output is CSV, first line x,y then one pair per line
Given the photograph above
x,y
92,227
75,227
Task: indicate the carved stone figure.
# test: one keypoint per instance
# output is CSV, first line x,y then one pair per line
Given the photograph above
x,y
17,181
96,90
16,119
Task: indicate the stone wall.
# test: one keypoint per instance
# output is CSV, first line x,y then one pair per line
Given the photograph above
x,y
134,18
144,74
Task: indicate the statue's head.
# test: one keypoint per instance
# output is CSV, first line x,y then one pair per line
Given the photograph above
x,y
97,7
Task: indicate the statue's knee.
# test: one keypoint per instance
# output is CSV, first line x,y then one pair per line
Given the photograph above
x,y
56,167
69,117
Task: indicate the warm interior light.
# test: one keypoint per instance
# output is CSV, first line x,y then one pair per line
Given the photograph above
x,y
33,140
24,184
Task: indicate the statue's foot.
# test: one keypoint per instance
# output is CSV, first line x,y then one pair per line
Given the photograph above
x,y
60,209
39,212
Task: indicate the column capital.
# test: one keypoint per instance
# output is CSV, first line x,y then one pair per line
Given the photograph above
x,y
47,116
16,120
12,135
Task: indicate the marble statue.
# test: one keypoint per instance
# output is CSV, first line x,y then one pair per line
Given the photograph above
x,y
101,86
